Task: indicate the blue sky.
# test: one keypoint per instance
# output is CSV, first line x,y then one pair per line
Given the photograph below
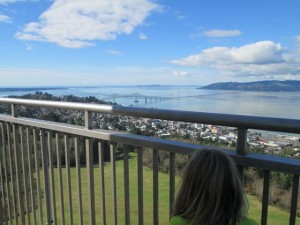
x,y
100,42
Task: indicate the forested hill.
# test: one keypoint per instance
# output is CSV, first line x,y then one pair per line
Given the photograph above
x,y
274,85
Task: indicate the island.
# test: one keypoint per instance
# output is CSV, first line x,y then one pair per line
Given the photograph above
x,y
269,86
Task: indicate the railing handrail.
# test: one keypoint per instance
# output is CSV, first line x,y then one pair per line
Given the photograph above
x,y
15,129
231,120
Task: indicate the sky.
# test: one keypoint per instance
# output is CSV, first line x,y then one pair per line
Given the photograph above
x,y
140,42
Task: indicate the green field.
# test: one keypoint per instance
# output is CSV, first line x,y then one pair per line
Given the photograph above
x,y
276,216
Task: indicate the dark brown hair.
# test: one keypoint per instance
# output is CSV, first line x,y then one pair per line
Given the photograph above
x,y
211,192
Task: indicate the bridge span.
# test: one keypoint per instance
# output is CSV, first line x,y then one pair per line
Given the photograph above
x,y
137,97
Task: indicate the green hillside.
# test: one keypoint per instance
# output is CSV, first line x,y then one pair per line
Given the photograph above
x,y
276,216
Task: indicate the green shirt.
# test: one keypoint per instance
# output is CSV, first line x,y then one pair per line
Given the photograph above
x,y
178,220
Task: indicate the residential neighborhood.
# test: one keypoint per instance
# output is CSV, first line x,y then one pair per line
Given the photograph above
x,y
269,143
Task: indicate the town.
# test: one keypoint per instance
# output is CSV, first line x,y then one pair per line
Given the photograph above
x,y
262,141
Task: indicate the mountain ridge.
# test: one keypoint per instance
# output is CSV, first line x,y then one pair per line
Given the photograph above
x,y
266,85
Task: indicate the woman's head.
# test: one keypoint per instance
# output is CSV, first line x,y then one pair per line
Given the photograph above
x,y
211,192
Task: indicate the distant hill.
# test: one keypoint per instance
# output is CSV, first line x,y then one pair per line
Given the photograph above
x,y
273,85
15,89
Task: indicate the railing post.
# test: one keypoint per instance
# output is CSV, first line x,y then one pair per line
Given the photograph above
x,y
140,186
90,169
45,162
265,198
126,185
13,110
155,188
241,147
172,168
294,200
87,119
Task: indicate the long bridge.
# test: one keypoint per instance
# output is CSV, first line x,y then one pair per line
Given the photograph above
x,y
150,98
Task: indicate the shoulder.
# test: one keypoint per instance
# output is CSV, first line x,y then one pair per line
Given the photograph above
x,y
178,220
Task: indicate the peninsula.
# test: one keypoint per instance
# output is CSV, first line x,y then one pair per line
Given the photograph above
x,y
269,86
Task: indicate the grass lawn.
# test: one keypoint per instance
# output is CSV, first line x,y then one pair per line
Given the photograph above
x,y
276,216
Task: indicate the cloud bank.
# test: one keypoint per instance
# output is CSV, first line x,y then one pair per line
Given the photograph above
x,y
77,23
264,58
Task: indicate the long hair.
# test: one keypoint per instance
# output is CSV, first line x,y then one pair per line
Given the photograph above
x,y
211,192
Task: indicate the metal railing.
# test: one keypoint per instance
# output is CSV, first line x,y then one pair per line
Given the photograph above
x,y
29,191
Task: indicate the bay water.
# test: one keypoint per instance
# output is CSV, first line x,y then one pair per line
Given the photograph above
x,y
190,98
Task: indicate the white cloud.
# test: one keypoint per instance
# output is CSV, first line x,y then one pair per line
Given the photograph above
x,y
4,18
221,33
114,52
180,73
142,36
258,59
256,53
77,23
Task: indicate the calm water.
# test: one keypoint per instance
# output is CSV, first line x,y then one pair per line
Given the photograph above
x,y
271,104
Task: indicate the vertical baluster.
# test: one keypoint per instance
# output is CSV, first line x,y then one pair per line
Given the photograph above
x,y
155,188
4,147
60,180
77,157
241,148
265,200
113,184
67,156
37,170
51,170
30,172
24,174
90,168
3,208
14,181
18,173
102,182
4,163
12,176
172,182
45,163
126,185
90,176
294,200
140,186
